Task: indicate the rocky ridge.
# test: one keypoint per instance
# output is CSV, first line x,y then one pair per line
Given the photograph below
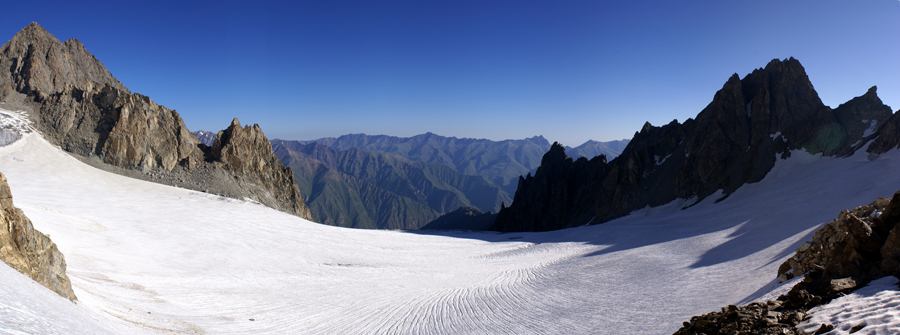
x,y
78,105
735,140
29,251
861,245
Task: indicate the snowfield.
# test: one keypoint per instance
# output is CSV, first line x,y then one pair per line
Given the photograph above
x,y
145,258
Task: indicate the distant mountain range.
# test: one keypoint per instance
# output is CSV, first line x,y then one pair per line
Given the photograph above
x,y
367,189
388,182
501,162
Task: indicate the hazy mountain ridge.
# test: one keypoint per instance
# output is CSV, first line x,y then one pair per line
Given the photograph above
x,y
78,105
735,140
206,137
501,162
365,189
591,149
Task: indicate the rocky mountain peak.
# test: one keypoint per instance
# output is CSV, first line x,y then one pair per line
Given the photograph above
x,y
42,65
556,154
734,140
243,148
247,152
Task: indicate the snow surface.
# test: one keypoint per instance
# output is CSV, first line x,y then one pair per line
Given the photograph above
x,y
873,125
875,306
661,161
149,258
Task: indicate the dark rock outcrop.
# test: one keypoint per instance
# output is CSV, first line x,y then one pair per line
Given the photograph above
x,y
27,250
565,186
735,140
862,243
78,105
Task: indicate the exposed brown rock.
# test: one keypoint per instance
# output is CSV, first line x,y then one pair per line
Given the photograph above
x,y
78,105
847,246
27,250
248,152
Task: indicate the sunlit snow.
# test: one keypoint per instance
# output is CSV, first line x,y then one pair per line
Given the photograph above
x,y
148,258
874,308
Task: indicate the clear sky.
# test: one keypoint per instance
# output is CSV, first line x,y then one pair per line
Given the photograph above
x,y
567,70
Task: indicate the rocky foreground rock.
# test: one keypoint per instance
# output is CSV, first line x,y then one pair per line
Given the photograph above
x,y
861,245
27,250
78,105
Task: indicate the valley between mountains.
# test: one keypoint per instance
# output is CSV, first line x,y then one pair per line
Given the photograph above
x,y
116,219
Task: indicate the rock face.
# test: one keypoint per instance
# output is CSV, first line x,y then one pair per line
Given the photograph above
x,y
735,140
78,105
248,153
862,243
27,250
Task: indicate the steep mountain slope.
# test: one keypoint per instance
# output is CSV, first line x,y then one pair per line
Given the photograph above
x,y
80,107
364,189
129,252
735,140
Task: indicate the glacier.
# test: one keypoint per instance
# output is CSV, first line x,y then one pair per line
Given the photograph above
x,y
146,258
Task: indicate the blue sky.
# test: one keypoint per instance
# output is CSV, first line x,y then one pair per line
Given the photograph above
x,y
568,70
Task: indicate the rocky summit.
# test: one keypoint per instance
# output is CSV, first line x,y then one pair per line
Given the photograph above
x,y
27,250
79,106
736,139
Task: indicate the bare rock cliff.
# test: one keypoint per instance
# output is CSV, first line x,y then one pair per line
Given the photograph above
x,y
27,250
248,152
78,105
